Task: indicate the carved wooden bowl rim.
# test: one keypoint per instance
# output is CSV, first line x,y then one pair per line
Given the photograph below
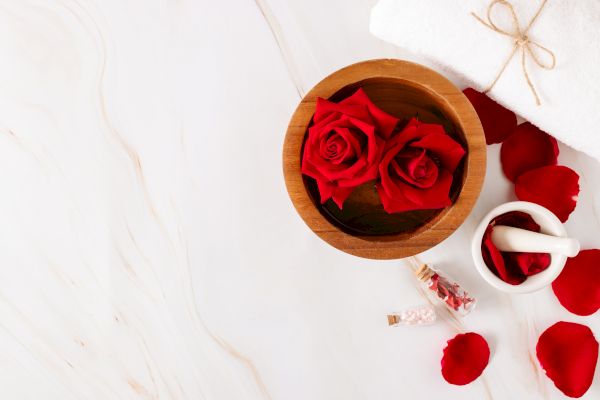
x,y
432,232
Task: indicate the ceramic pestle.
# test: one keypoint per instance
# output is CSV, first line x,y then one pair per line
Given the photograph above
x,y
507,238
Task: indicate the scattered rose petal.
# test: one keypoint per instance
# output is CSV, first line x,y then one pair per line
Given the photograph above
x,y
465,358
513,267
498,122
525,149
554,187
568,353
578,285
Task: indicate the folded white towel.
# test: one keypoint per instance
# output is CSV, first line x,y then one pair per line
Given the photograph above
x,y
447,33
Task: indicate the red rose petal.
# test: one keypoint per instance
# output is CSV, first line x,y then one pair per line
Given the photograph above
x,y
498,122
448,151
554,187
568,353
327,111
336,193
495,260
529,263
465,358
407,198
525,149
384,122
578,285
513,267
517,219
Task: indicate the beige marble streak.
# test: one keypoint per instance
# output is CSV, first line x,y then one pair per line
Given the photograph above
x,y
222,343
87,20
148,249
286,54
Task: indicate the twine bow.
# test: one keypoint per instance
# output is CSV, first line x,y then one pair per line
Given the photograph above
x,y
521,41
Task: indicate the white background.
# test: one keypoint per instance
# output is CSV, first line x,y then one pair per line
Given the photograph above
x,y
148,249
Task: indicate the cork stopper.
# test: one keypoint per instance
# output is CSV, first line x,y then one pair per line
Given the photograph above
x,y
423,273
393,319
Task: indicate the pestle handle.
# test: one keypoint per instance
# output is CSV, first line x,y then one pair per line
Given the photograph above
x,y
507,238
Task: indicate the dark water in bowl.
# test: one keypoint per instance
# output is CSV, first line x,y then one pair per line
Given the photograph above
x,y
363,213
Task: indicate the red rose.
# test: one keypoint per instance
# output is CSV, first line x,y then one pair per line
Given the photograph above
x,y
345,144
417,168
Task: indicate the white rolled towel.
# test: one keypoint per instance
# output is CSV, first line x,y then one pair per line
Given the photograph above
x,y
446,32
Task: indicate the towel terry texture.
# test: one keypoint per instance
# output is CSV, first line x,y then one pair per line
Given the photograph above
x,y
446,32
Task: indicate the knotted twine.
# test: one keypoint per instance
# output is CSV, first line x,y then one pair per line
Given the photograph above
x,y
521,41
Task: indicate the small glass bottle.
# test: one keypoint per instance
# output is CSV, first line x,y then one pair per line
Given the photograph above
x,y
445,289
413,316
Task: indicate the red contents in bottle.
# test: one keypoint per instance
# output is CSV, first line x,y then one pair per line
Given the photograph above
x,y
450,293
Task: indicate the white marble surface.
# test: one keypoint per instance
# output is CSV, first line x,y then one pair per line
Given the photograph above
x,y
148,249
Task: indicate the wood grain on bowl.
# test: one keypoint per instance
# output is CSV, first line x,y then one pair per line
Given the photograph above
x,y
362,228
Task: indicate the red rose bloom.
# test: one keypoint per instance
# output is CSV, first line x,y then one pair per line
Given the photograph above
x,y
417,168
345,144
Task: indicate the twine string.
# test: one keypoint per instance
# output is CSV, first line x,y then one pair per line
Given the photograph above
x,y
522,42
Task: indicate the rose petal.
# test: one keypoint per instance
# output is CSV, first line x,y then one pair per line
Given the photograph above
x,y
496,261
325,190
525,149
415,167
449,152
329,111
384,122
528,263
554,187
512,267
465,358
578,285
340,194
498,122
406,197
568,353
517,219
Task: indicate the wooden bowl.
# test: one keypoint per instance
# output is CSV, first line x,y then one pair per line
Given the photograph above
x,y
363,228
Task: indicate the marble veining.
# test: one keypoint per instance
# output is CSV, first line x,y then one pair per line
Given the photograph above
x,y
148,249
